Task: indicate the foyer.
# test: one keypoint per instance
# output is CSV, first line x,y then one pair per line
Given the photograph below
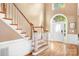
x,y
39,29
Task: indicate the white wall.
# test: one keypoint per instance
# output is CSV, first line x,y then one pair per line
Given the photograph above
x,y
18,47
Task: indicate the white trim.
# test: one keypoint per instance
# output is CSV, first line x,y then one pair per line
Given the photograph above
x,y
57,15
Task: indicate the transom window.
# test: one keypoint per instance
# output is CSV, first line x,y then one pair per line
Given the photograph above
x,y
59,18
58,6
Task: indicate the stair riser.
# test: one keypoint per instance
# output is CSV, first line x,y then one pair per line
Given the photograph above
x,y
7,21
14,26
19,31
23,35
2,15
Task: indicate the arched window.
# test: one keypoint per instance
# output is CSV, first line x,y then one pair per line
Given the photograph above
x,y
58,6
59,18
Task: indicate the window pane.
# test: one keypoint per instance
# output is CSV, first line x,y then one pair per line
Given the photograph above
x,y
58,28
58,6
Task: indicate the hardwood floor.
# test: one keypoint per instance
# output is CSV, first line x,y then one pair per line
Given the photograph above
x,y
60,49
72,50
57,48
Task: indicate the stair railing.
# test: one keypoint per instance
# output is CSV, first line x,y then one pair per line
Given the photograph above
x,y
12,12
39,34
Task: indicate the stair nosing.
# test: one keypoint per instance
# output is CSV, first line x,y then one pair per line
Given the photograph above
x,y
26,36
8,18
23,32
18,29
13,24
2,12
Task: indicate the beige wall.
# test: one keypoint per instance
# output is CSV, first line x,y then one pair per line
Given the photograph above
x,y
70,11
33,12
6,33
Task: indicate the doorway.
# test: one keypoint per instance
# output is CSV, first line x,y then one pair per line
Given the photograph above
x,y
58,34
58,28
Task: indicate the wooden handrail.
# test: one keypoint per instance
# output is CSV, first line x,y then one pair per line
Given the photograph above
x,y
38,27
25,19
45,30
23,14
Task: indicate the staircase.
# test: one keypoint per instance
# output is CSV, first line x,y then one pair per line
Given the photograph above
x,y
12,16
40,40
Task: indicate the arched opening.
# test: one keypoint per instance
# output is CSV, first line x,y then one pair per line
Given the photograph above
x,y
58,27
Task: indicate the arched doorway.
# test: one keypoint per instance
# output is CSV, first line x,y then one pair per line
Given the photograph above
x,y
58,27
58,34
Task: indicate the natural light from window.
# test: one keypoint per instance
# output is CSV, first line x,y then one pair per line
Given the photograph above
x,y
58,6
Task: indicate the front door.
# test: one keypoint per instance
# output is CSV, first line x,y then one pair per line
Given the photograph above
x,y
58,31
